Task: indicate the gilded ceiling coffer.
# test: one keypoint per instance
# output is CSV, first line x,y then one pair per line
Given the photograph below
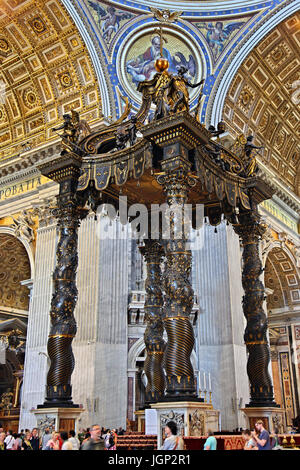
x,y
155,345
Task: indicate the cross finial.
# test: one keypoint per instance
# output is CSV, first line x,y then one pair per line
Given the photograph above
x,y
159,31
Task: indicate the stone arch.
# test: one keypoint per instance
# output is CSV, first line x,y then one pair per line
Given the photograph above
x,y
138,348
17,265
134,353
28,247
282,277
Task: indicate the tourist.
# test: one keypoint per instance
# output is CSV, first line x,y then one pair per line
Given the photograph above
x,y
95,442
250,444
261,436
121,431
9,440
81,435
46,438
26,443
113,442
172,441
108,439
66,445
87,437
35,440
18,441
53,443
211,441
74,441
2,441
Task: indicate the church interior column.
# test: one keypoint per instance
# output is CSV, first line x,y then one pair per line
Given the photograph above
x,y
153,337
63,325
179,295
261,389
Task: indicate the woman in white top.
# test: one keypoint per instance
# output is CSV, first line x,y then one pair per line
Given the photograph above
x,y
74,441
9,441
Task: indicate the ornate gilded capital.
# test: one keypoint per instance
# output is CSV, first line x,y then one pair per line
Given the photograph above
x,y
176,184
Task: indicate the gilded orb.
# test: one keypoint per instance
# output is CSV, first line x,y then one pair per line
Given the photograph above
x,y
161,64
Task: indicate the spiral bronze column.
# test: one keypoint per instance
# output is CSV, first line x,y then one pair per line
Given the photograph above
x,y
261,390
153,253
63,325
179,294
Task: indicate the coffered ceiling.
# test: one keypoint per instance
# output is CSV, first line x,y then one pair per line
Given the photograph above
x,y
14,268
282,278
264,100
45,71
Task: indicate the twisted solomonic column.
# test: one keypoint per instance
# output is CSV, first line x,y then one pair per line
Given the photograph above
x,y
153,337
63,325
179,294
250,232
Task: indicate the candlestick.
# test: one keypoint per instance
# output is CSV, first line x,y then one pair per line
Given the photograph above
x,y
205,392
210,394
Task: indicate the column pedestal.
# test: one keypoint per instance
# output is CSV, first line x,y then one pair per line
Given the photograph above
x,y
273,418
192,418
140,415
60,419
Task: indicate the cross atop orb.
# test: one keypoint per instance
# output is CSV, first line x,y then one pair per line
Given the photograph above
x,y
161,64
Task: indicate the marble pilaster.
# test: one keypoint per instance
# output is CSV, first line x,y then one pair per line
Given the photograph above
x,y
112,325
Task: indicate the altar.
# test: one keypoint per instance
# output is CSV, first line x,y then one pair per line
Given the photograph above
x,y
193,419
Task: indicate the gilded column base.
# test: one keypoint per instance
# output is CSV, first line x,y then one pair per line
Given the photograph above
x,y
58,396
180,388
262,397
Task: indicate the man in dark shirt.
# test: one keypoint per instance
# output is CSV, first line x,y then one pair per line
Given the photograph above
x,y
95,442
263,438
35,440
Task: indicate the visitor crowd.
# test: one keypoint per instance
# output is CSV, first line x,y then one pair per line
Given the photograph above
x,y
96,438
92,438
